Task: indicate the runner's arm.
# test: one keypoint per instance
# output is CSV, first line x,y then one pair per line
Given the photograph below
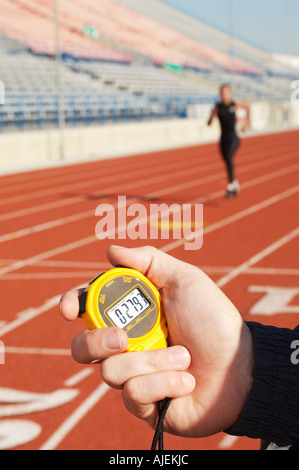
x,y
214,115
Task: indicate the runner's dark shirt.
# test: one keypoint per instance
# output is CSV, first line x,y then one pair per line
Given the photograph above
x,y
227,118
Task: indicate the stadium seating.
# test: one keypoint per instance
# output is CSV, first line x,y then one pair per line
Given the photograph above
x,y
32,23
119,63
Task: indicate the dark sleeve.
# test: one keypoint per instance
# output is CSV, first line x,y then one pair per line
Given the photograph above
x,y
272,409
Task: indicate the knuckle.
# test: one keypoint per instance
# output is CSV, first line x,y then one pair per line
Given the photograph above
x,y
111,373
76,346
157,360
133,390
171,381
104,371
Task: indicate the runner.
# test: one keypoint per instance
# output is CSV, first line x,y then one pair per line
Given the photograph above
x,y
225,110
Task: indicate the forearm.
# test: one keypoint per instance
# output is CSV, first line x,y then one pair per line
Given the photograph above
x,y
271,411
214,114
248,116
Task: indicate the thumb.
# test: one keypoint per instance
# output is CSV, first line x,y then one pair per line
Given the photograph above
x,y
160,268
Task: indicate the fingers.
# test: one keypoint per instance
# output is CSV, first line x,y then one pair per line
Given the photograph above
x,y
90,347
148,377
69,305
155,375
141,394
149,389
118,369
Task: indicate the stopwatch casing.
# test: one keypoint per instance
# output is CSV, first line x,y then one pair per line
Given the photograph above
x,y
125,298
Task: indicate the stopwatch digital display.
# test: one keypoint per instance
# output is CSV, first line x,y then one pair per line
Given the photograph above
x,y
129,308
125,298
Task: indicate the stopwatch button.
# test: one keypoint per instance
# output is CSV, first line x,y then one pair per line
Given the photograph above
x,y
82,302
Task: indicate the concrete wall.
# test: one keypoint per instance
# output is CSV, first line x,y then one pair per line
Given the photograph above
x,y
37,149
267,115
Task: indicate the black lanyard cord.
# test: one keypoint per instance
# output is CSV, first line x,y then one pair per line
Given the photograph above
x,y
163,406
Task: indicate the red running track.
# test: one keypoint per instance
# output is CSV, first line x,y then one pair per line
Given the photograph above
x,y
48,246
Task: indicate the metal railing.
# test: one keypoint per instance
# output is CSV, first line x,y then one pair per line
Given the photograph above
x,y
23,111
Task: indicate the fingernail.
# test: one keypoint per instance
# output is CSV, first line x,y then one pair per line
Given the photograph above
x,y
188,380
112,340
179,357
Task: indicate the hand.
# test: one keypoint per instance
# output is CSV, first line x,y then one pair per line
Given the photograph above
x,y
207,369
214,115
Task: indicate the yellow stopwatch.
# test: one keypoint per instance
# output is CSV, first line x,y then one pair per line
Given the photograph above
x,y
125,298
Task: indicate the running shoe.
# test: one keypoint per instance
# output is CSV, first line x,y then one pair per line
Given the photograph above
x,y
232,189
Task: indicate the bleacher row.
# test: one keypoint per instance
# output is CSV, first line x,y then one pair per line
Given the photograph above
x,y
117,64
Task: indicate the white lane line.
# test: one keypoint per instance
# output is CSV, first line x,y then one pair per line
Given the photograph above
x,y
228,441
17,402
258,257
46,226
235,217
92,274
41,208
53,275
72,421
31,313
252,270
81,375
62,264
37,351
48,254
102,265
